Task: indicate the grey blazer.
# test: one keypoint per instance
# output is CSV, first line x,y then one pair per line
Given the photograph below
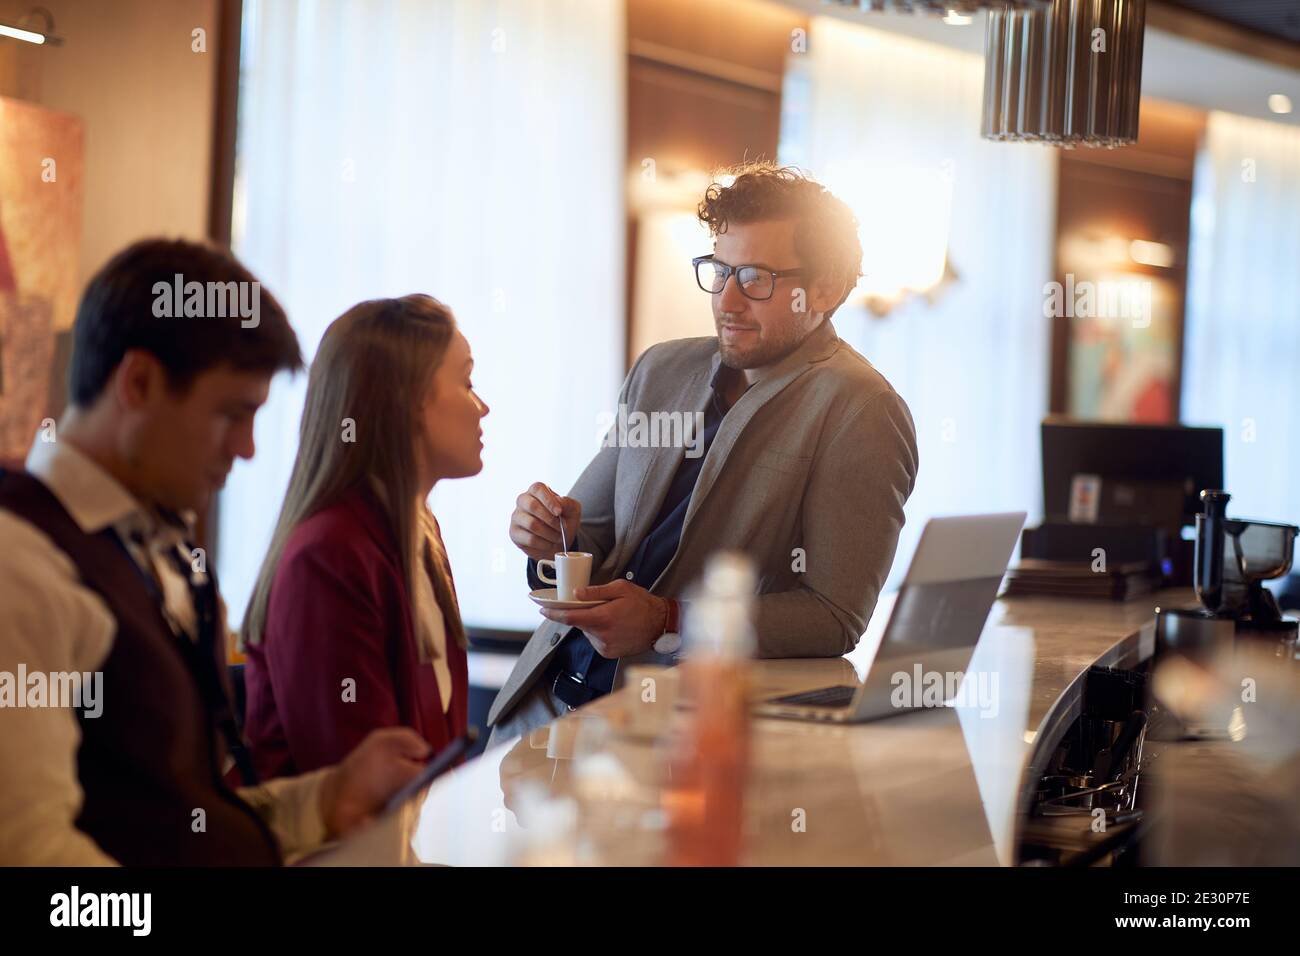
x,y
808,475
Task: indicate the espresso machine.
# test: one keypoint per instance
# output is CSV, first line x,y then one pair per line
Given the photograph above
x,y
1233,560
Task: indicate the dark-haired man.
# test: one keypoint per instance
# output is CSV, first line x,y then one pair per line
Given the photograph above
x,y
809,457
115,739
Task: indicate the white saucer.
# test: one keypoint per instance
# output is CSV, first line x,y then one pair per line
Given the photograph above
x,y
546,598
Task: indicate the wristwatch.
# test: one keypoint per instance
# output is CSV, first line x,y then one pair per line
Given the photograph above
x,y
670,641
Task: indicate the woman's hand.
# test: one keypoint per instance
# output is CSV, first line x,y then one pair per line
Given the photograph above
x,y
359,787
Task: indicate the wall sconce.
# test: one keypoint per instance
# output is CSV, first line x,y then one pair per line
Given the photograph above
x,y
29,32
904,214
1157,255
1097,252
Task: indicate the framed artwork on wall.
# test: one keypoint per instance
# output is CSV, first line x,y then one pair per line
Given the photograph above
x,y
41,153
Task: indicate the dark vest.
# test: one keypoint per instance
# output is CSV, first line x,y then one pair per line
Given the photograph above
x,y
154,754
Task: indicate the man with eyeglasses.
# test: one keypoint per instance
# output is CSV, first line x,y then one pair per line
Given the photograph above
x,y
809,457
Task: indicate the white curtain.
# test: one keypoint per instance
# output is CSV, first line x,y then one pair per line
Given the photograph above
x,y
1242,351
891,124
470,149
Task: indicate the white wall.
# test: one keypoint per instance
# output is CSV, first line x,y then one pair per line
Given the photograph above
x,y
147,101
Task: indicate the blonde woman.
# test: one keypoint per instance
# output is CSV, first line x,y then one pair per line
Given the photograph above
x,y
353,623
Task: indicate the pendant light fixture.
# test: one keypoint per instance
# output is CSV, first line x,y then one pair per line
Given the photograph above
x,y
1068,74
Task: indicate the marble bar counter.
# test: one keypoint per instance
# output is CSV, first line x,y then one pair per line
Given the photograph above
x,y
943,786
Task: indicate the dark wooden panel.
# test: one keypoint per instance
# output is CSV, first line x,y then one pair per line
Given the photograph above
x,y
1138,192
1168,137
703,87
225,114
745,34
1273,18
688,121
221,195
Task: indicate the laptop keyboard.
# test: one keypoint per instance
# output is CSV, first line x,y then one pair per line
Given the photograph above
x,y
838,696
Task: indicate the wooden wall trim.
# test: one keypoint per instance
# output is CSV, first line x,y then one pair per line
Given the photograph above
x,y
225,121
705,65
1170,167
1220,33
221,190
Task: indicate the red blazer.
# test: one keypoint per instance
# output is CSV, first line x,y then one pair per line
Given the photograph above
x,y
340,608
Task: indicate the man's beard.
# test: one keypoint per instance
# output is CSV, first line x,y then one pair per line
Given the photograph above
x,y
766,353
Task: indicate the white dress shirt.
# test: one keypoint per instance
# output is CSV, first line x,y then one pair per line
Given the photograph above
x,y
428,620
430,625
51,622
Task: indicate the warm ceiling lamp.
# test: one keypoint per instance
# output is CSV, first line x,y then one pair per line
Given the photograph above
x,y
1062,72
1068,74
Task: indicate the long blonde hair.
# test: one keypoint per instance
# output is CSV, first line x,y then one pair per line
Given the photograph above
x,y
371,372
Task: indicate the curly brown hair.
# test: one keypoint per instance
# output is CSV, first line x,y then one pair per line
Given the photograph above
x,y
826,231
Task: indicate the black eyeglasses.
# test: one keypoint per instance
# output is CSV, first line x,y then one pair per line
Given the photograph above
x,y
754,281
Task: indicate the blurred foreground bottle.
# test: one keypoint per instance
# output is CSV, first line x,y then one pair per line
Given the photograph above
x,y
711,760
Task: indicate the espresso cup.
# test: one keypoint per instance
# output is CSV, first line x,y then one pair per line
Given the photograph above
x,y
572,571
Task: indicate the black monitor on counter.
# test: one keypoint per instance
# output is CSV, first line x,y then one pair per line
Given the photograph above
x,y
1128,475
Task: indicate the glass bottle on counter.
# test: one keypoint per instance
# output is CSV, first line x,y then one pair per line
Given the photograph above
x,y
711,759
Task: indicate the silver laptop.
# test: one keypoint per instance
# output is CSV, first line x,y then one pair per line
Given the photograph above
x,y
933,629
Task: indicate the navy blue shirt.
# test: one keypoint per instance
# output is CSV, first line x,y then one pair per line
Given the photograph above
x,y
576,655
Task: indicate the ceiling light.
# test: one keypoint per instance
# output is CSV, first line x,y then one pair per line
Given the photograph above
x,y
1280,103
1069,74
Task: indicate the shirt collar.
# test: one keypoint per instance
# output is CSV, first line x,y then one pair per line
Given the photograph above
x,y
94,498
91,496
817,347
